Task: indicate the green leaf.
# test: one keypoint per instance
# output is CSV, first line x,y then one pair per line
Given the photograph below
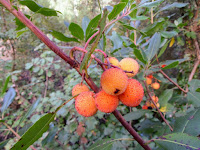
x,y
20,33
189,123
198,90
85,23
153,46
116,10
178,141
34,132
155,27
5,85
76,31
30,110
168,34
135,115
3,143
19,24
106,144
92,25
47,11
139,55
172,65
140,18
116,40
163,49
192,95
165,97
170,6
62,37
151,4
8,98
33,6
102,23
131,28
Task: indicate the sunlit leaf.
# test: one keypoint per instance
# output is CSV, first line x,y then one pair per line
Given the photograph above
x,y
5,85
172,65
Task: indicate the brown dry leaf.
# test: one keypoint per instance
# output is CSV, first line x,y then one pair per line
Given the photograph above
x,y
80,129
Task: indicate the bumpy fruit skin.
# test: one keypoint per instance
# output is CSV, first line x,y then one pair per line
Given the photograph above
x,y
155,98
148,80
133,94
155,85
129,64
79,88
114,81
112,61
105,102
85,104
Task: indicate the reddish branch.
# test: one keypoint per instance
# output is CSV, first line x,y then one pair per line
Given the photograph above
x,y
72,63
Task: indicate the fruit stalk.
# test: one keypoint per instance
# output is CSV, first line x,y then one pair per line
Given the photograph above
x,y
128,127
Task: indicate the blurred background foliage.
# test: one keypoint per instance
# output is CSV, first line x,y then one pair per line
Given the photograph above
x,y
42,81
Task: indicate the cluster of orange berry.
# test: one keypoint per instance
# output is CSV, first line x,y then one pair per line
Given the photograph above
x,y
155,85
116,85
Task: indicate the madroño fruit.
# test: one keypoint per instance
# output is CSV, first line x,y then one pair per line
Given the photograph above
x,y
114,61
155,98
105,102
114,81
148,80
85,104
155,85
79,88
129,64
133,94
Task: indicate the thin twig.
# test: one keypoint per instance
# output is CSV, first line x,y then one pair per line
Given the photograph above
x,y
16,134
166,76
148,92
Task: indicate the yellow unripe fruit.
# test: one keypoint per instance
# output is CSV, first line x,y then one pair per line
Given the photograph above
x,y
158,105
114,81
129,64
148,81
133,94
79,88
155,99
85,104
105,102
155,85
114,61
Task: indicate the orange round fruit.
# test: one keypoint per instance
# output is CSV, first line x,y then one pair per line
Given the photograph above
x,y
155,85
85,104
148,80
114,61
105,102
114,81
155,98
129,64
79,88
133,94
